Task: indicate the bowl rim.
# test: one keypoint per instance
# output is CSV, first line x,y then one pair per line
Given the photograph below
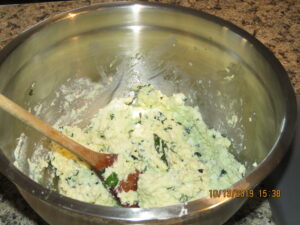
x,y
173,211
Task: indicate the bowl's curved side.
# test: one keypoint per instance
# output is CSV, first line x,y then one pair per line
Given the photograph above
x,y
46,202
58,215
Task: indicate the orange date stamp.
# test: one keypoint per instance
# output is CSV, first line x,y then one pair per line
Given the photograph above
x,y
235,193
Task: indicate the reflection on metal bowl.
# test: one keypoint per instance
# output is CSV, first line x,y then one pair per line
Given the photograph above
x,y
239,86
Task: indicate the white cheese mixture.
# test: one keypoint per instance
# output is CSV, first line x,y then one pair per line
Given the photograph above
x,y
180,159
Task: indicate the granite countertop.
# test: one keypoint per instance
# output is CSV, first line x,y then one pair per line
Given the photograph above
x,y
275,23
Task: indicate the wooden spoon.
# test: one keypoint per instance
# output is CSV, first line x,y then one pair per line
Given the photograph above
x,y
97,160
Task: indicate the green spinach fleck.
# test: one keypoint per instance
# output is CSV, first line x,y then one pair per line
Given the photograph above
x,y
130,133
161,147
187,130
112,180
172,188
168,128
198,154
30,93
134,157
223,172
183,198
112,116
160,117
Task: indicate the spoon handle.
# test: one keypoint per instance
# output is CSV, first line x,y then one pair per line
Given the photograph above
x,y
98,160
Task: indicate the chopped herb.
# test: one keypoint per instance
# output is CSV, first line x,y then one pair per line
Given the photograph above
x,y
198,154
112,116
130,132
160,117
70,181
179,123
156,142
30,92
223,172
183,198
168,128
112,180
133,157
161,147
164,158
187,130
213,136
200,170
171,188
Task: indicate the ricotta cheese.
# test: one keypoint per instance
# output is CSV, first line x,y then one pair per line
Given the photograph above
x,y
179,157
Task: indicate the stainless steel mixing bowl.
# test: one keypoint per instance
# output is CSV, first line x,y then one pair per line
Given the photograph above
x,y
239,86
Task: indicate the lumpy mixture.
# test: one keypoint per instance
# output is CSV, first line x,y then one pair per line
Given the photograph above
x,y
179,157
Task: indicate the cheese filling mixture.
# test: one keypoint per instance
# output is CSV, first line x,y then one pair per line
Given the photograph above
x,y
179,157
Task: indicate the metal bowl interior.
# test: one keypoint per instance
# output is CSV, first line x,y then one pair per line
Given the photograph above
x,y
240,88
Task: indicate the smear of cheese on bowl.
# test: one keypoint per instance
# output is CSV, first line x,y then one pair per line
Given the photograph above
x,y
179,157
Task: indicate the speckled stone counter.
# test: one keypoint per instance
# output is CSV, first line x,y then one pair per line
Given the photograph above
x,y
275,23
